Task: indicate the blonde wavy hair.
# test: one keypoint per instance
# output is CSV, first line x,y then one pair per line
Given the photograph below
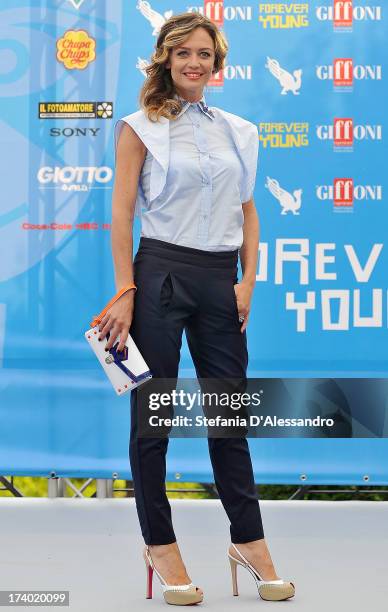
x,y
156,95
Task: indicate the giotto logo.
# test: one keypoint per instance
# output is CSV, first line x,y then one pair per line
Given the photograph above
x,y
276,15
217,12
343,193
343,132
289,202
74,178
287,80
343,72
343,12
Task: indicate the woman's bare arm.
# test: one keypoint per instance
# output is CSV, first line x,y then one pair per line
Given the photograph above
x,y
250,246
248,257
130,156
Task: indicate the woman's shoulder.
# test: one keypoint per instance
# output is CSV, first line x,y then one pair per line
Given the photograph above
x,y
244,133
141,115
136,118
233,119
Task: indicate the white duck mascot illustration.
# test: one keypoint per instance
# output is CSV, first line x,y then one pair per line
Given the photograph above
x,y
156,19
142,65
289,82
289,202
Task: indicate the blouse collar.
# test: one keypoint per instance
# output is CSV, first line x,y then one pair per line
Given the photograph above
x,y
201,105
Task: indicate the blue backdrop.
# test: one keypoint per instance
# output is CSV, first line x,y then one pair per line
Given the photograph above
x,y
311,76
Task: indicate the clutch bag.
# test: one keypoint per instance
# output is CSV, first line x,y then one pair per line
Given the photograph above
x,y
125,369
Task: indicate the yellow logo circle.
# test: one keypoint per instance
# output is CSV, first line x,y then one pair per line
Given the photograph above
x,y
76,49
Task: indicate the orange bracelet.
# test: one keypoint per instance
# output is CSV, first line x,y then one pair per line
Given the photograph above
x,y
97,318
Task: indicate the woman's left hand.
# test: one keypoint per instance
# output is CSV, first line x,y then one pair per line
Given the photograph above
x,y
244,292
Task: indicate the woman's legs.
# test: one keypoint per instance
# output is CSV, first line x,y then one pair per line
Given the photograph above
x,y
148,466
159,342
233,476
219,351
194,291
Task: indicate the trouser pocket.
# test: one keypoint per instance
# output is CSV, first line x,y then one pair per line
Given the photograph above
x,y
166,294
234,297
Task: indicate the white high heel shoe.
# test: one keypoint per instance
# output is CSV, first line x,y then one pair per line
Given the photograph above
x,y
179,595
271,590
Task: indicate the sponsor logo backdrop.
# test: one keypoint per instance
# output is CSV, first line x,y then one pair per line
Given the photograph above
x,y
310,75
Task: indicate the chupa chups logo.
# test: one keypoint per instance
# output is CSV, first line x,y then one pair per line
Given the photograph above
x,y
343,133
76,49
343,14
343,194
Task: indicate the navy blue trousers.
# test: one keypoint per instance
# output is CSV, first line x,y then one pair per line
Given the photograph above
x,y
181,288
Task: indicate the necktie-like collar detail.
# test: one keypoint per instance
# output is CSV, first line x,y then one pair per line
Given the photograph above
x,y
201,104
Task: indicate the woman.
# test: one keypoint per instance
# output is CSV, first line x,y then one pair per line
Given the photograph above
x,y
188,171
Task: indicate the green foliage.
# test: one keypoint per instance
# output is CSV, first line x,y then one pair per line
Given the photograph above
x,y
38,487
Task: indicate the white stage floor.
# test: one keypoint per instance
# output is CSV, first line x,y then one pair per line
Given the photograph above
x,y
336,553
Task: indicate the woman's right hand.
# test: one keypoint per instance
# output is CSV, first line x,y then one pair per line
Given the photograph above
x,y
117,320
